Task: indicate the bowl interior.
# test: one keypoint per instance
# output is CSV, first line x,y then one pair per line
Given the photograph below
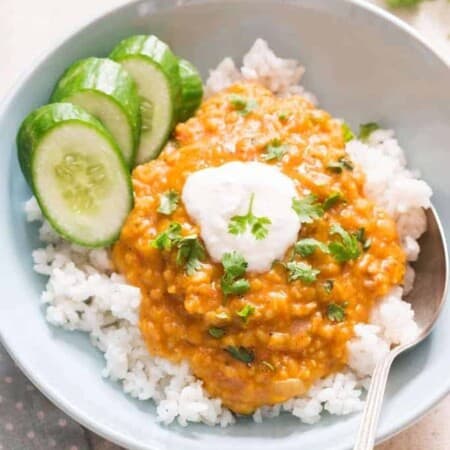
x,y
362,66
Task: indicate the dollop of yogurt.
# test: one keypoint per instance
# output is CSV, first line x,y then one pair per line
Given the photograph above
x,y
213,196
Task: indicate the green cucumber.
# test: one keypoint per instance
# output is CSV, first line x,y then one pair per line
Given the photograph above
x,y
104,89
191,89
154,68
77,173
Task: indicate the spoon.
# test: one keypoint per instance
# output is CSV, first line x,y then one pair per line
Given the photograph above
x,y
427,299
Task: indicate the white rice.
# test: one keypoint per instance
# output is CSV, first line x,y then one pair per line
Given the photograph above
x,y
82,292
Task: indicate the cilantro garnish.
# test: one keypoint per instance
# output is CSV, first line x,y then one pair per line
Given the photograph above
x,y
328,286
190,253
306,247
301,271
335,312
332,200
307,208
258,225
346,249
241,354
190,250
366,129
339,165
246,312
362,238
168,202
168,238
274,150
347,133
243,105
216,332
234,266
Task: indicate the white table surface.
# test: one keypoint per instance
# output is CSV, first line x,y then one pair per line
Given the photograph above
x,y
28,27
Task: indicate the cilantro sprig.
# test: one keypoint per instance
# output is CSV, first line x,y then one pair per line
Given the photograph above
x,y
259,226
168,202
234,266
332,200
301,271
243,105
274,150
335,312
339,165
306,247
190,250
347,132
241,354
245,312
366,129
307,208
345,249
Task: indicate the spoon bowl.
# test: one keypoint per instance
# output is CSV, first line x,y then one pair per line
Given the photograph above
x,y
427,299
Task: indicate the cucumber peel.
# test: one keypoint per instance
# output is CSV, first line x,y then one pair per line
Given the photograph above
x,y
155,71
191,89
76,172
104,89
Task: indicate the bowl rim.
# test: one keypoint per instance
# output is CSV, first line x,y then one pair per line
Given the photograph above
x,y
78,415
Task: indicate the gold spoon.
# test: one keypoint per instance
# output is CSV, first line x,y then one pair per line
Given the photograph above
x,y
427,299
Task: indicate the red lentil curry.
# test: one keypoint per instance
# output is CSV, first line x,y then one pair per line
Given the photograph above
x,y
271,339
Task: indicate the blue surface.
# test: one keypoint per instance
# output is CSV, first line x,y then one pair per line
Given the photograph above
x,y
365,66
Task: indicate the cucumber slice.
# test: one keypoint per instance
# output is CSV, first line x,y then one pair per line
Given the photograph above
x,y
104,89
76,172
191,89
155,70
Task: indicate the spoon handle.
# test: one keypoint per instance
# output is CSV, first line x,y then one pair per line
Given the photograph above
x,y
365,439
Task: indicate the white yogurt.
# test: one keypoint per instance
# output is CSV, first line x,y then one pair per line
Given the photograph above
x,y
213,196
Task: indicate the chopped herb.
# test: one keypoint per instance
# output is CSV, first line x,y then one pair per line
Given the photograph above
x,y
190,253
332,200
168,202
362,238
268,365
243,105
274,150
340,165
216,332
346,249
306,247
366,129
241,354
246,312
234,266
336,313
328,286
347,132
166,239
283,116
258,225
301,271
307,208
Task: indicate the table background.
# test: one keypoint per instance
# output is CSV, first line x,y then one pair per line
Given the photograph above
x,y
27,420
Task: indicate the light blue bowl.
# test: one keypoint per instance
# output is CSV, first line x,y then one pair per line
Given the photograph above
x,y
364,65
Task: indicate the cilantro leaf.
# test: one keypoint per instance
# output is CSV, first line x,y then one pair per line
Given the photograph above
x,y
366,129
274,150
332,200
258,225
346,249
216,332
190,253
347,133
234,266
168,202
301,271
362,238
246,312
307,208
341,164
243,105
241,354
168,238
328,286
335,312
306,247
